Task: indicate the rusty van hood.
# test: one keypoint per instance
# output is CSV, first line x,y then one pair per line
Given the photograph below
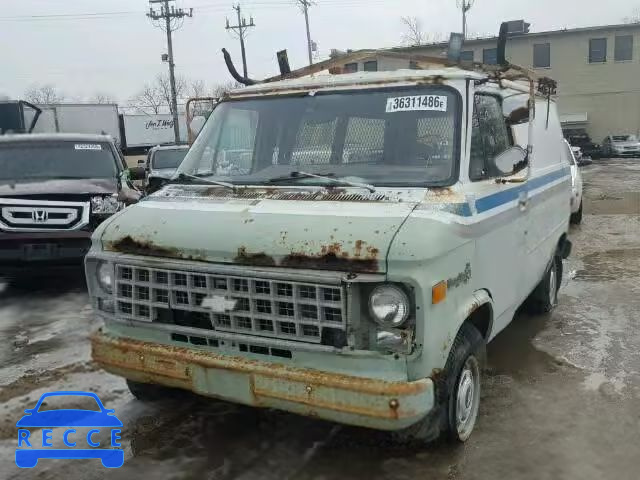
x,y
318,229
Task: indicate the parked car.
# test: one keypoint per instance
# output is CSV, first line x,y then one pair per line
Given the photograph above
x,y
55,189
621,146
580,138
360,291
576,185
161,163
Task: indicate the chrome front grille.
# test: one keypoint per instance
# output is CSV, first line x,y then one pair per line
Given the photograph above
x,y
29,215
219,302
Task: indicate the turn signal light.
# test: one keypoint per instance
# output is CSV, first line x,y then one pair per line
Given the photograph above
x,y
439,293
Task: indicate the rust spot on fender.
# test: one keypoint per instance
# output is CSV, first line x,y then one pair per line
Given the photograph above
x,y
137,246
260,259
332,257
461,279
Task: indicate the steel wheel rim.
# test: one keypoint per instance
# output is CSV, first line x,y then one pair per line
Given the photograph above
x,y
553,284
467,398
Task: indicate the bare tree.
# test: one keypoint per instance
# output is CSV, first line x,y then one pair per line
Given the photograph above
x,y
101,97
164,87
413,34
44,94
197,88
148,100
634,17
222,89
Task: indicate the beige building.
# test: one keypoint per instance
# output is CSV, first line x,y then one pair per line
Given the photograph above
x,y
597,70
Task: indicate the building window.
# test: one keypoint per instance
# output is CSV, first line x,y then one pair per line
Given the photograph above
x,y
490,56
351,68
624,48
598,50
371,66
467,56
542,55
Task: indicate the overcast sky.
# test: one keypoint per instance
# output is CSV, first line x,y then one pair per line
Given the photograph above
x,y
117,53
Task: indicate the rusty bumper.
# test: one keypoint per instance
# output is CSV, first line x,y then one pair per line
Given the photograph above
x,y
346,399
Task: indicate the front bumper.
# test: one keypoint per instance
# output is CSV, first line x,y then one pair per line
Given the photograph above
x,y
25,250
341,398
626,153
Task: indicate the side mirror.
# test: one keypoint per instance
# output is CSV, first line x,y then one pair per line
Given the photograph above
x,y
136,173
511,161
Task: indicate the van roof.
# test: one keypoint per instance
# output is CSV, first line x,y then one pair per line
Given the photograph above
x,y
361,80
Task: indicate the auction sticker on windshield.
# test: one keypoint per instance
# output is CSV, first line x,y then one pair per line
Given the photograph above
x,y
418,102
88,146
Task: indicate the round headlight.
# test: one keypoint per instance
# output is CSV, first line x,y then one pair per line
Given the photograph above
x,y
104,274
389,306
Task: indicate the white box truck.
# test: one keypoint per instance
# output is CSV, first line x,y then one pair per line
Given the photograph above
x,y
145,131
101,119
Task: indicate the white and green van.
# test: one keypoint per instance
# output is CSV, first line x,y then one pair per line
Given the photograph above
x,y
341,246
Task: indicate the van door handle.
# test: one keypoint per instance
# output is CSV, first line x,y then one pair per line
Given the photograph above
x,y
523,201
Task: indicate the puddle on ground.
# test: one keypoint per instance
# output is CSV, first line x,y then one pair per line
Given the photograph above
x,y
609,265
620,203
512,353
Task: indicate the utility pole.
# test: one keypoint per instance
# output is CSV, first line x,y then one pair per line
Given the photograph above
x,y
465,6
241,31
171,17
305,4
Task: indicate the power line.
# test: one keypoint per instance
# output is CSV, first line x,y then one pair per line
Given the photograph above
x,y
170,16
241,30
208,6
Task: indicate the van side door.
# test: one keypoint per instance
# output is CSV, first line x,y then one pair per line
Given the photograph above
x,y
549,188
500,211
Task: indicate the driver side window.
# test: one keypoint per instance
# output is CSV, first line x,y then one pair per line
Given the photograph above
x,y
489,138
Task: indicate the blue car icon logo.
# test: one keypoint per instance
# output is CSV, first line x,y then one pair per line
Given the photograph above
x,y
48,425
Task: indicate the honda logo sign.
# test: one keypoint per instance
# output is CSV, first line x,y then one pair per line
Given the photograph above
x,y
39,215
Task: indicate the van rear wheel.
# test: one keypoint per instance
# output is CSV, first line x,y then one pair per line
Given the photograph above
x,y
576,218
545,296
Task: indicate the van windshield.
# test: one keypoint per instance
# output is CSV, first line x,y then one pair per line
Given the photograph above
x,y
393,137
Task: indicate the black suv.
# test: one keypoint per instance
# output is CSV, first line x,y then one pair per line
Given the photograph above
x,y
580,138
54,191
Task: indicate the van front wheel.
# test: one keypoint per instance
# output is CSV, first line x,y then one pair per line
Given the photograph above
x,y
457,393
463,385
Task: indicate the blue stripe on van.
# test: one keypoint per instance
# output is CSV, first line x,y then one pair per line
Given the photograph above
x,y
498,199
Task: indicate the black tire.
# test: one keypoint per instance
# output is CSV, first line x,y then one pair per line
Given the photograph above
x,y
469,348
149,393
545,296
576,218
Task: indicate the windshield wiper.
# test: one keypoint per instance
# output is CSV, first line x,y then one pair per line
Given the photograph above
x,y
328,176
198,179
